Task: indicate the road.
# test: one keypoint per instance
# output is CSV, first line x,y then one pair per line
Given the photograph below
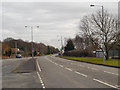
x,y
55,72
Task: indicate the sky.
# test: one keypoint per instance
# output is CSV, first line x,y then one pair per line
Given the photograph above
x,y
55,19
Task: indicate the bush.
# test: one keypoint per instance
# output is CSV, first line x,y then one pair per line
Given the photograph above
x,y
78,53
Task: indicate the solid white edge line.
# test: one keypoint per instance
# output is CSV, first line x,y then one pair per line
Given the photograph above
x,y
92,68
110,73
38,65
105,83
41,80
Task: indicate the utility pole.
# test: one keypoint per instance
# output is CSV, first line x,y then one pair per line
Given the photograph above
x,y
61,41
16,47
103,33
32,40
102,28
62,48
118,27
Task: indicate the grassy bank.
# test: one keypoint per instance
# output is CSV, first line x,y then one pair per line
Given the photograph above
x,y
111,62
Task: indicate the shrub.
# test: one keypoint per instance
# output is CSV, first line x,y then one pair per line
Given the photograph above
x,y
78,53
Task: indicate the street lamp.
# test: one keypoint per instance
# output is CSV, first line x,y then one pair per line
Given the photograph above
x,y
92,5
32,37
61,44
102,26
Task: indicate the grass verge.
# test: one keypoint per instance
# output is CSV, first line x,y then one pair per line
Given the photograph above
x,y
110,62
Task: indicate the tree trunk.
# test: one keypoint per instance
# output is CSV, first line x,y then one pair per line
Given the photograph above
x,y
107,55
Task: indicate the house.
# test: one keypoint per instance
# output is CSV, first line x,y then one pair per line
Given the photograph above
x,y
16,50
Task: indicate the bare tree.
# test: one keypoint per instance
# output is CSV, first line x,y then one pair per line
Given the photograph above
x,y
83,43
78,42
101,29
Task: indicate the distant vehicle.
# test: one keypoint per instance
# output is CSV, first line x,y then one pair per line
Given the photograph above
x,y
18,56
59,53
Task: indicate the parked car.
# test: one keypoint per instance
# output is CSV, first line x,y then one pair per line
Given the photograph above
x,y
18,56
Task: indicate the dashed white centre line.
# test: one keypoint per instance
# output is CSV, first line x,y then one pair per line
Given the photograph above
x,y
50,60
56,64
105,83
41,80
68,69
61,65
88,67
81,74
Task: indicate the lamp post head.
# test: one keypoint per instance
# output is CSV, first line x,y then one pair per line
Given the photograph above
x,y
92,5
37,26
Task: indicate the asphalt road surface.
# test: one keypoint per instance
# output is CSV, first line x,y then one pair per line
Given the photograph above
x,y
19,73
54,72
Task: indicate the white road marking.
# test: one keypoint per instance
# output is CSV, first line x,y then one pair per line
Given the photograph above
x,y
68,69
105,83
117,86
38,66
56,64
81,74
94,69
93,78
77,64
88,67
61,65
41,80
50,60
111,73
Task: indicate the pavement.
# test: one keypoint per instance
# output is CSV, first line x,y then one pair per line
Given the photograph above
x,y
19,73
54,72
26,67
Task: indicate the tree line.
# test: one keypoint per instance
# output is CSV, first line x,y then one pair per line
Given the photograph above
x,y
25,46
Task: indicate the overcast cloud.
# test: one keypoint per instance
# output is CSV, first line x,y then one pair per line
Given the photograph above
x,y
55,19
